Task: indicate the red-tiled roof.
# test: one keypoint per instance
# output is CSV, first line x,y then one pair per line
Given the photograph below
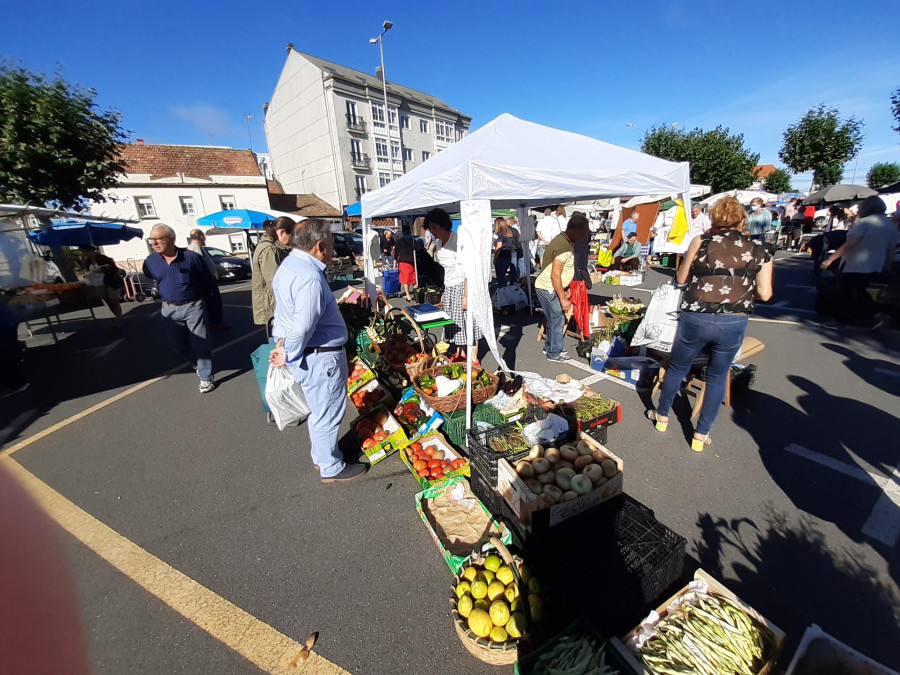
x,y
164,161
307,205
274,187
762,171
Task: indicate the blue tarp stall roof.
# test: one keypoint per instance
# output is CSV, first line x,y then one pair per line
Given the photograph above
x,y
85,234
354,209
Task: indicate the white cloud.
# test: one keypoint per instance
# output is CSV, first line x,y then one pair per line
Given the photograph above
x,y
206,118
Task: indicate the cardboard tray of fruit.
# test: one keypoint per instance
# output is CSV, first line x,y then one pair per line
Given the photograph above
x,y
416,416
369,395
360,375
461,494
428,453
554,484
379,434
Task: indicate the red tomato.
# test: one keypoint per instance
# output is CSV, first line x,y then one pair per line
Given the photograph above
x,y
437,473
444,463
434,464
429,451
420,464
424,473
417,447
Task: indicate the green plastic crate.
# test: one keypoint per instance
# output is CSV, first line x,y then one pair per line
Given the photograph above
x,y
455,423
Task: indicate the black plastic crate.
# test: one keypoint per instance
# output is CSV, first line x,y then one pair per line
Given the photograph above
x,y
485,459
497,505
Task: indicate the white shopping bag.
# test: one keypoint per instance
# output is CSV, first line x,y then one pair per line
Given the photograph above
x,y
510,295
285,398
657,330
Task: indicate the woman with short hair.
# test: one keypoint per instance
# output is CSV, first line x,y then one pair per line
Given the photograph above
x,y
273,247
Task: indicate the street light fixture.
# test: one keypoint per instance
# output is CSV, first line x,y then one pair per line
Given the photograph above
x,y
386,26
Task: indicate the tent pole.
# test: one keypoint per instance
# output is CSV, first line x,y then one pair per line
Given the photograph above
x,y
369,250
526,236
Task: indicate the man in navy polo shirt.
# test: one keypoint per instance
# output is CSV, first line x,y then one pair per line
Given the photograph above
x,y
183,280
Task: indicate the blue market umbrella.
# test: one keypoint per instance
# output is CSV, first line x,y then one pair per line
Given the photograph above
x,y
84,234
236,218
785,198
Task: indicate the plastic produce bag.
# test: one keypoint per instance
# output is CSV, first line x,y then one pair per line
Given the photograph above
x,y
507,296
545,431
285,398
657,330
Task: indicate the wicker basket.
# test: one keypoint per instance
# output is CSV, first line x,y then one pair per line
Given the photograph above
x,y
456,400
493,653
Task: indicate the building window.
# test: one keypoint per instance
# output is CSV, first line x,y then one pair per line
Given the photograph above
x,y
407,154
425,155
145,207
404,121
238,243
377,115
356,148
361,187
351,110
395,149
227,202
187,206
443,131
392,115
381,149
423,126
383,179
460,134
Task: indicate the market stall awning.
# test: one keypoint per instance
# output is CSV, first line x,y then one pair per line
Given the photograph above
x,y
244,218
84,234
354,209
839,193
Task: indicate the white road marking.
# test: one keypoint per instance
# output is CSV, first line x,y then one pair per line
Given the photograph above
x,y
108,348
781,303
883,523
790,323
887,371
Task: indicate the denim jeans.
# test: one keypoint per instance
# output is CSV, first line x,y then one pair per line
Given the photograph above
x,y
556,320
323,377
387,262
503,268
723,334
188,333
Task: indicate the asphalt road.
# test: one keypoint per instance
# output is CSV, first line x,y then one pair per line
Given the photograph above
x,y
787,507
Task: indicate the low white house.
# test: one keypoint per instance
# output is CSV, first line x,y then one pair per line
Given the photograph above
x,y
176,185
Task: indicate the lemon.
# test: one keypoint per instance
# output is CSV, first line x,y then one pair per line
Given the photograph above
x,y
515,604
470,573
516,625
462,588
499,613
487,575
495,590
525,573
482,604
511,593
465,605
480,622
498,634
493,562
479,589
534,586
505,575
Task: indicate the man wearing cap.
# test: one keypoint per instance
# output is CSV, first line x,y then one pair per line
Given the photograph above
x,y
214,299
310,334
628,255
183,280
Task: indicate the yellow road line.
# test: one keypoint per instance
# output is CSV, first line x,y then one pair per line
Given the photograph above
x,y
259,643
112,399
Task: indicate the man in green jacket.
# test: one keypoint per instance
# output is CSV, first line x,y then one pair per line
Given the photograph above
x,y
628,255
273,247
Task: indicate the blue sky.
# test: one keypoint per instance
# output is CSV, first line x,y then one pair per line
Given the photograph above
x,y
189,71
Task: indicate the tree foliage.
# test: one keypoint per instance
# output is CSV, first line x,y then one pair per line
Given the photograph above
x,y
718,158
56,146
895,109
777,182
822,143
883,173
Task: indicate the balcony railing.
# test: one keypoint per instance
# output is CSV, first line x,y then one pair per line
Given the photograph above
x,y
360,192
357,124
360,160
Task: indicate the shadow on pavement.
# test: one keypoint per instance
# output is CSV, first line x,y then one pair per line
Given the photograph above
x,y
879,373
775,558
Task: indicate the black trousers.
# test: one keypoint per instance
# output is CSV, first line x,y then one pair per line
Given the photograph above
x,y
852,304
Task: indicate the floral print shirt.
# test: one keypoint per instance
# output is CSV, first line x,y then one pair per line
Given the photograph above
x,y
723,275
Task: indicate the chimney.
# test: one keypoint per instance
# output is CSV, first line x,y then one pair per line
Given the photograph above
x,y
290,47
140,141
378,72
265,108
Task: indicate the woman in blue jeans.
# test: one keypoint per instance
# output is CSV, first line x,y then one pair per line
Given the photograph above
x,y
723,271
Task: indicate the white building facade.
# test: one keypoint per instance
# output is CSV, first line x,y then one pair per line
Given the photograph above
x,y
328,132
176,185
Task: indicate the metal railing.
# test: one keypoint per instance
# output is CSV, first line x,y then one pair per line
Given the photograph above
x,y
360,160
355,123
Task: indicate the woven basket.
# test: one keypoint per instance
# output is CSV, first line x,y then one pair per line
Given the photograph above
x,y
456,400
493,653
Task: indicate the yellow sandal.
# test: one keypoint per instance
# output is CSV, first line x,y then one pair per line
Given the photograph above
x,y
699,444
660,425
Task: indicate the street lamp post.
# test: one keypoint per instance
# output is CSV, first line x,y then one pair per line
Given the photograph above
x,y
387,118
634,126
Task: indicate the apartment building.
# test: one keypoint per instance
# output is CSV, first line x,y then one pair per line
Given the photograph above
x,y
329,134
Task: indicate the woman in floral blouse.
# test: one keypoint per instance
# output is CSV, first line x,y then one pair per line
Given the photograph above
x,y
722,272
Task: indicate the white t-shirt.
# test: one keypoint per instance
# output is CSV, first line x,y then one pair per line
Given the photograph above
x,y
878,235
450,258
548,227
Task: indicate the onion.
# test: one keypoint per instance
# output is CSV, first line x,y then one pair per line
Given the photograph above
x,y
584,448
568,452
540,465
609,468
540,503
547,478
594,472
536,451
553,491
524,469
564,478
601,481
563,464
535,486
582,461
568,496
582,484
550,500
598,456
551,455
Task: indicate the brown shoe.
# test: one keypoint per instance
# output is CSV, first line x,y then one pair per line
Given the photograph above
x,y
350,472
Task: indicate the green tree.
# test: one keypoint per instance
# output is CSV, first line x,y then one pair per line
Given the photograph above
x,y
717,157
895,109
883,173
56,146
822,143
777,182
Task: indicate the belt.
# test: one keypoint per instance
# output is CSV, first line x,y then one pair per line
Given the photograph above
x,y
319,350
179,303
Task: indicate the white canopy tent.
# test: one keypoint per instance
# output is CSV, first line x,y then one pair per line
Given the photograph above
x,y
743,196
511,163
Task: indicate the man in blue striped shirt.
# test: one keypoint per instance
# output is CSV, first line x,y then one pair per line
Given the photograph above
x,y
310,335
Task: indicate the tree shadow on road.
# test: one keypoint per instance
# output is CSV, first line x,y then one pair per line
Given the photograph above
x,y
786,571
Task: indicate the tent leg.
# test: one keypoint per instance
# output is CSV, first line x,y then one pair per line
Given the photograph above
x,y
369,249
526,252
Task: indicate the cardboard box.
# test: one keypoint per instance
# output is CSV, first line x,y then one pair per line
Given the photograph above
x,y
523,501
437,439
621,646
434,421
396,437
639,371
374,385
364,379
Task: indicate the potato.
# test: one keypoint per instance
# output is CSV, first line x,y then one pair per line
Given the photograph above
x,y
564,478
540,465
540,503
547,478
524,469
598,456
568,452
568,496
594,472
553,491
584,448
536,487
551,455
609,468
582,461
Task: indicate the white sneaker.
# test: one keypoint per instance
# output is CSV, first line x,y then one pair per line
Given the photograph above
x,y
207,386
